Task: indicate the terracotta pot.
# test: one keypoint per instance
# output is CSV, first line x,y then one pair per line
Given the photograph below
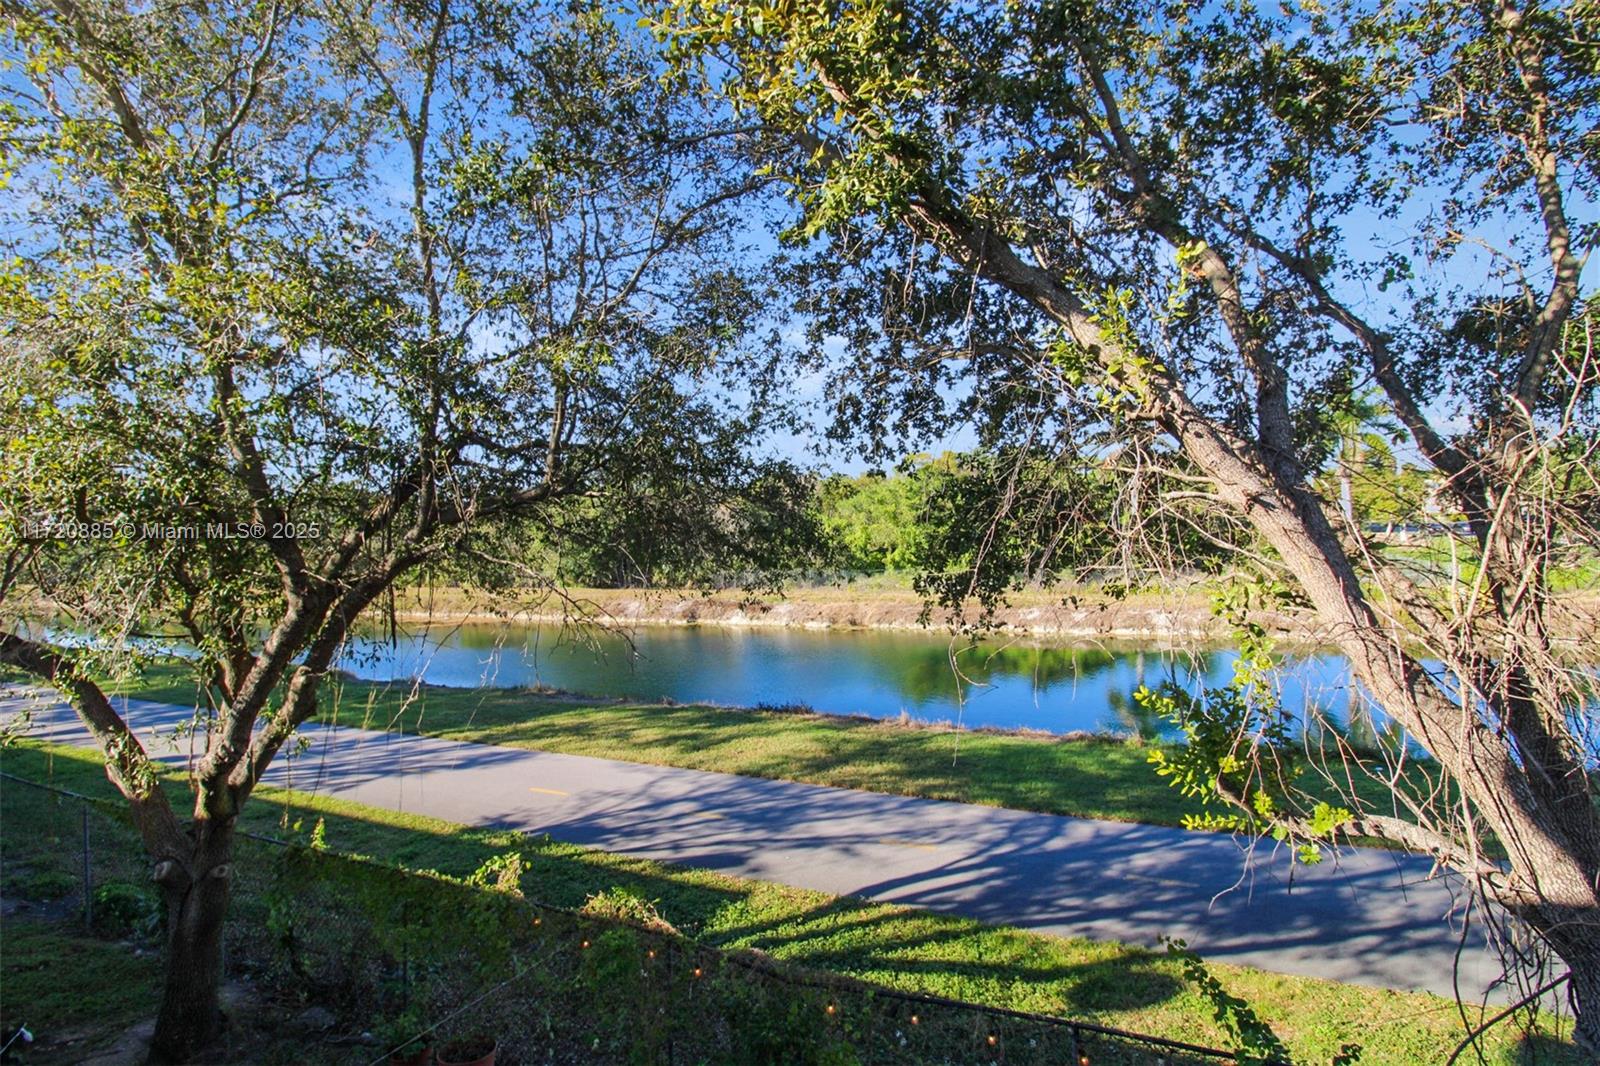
x,y
473,1051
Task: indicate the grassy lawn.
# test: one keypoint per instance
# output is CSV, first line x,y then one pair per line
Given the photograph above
x,y
894,946
1575,570
1102,779
42,970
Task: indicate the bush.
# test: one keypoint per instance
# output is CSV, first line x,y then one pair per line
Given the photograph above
x,y
624,905
42,887
123,909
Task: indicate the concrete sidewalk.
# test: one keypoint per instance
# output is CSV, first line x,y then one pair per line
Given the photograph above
x,y
1369,917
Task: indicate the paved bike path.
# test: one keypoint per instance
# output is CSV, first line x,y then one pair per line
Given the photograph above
x,y
1371,917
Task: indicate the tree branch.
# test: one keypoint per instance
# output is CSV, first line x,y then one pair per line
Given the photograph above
x,y
127,764
1543,162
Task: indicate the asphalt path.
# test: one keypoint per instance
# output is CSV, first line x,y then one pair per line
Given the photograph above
x,y
1370,917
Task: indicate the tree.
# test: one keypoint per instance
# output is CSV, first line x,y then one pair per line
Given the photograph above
x,y
1152,222
1364,427
873,520
666,523
300,297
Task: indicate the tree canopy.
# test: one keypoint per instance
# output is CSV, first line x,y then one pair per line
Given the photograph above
x,y
1205,233
302,297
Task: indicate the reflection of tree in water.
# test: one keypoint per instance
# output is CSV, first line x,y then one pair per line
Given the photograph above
x,y
1047,666
1129,715
578,645
473,638
1360,731
923,673
1342,713
1359,728
1134,717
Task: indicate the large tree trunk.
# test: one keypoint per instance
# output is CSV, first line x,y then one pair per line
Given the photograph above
x,y
1528,789
1584,959
1573,933
197,903
1515,775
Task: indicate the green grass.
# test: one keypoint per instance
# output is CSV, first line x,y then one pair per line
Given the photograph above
x,y
76,990
1092,778
1576,570
41,966
894,946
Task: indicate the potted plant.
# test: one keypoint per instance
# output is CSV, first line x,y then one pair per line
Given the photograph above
x,y
401,1035
416,1053
469,1051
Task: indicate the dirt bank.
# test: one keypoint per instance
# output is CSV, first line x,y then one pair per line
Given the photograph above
x,y
1175,617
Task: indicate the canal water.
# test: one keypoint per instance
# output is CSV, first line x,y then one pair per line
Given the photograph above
x,y
883,674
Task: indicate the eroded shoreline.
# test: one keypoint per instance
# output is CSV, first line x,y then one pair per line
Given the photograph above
x,y
1179,618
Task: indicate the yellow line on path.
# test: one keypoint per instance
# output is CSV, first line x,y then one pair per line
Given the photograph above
x,y
704,814
550,791
1152,880
907,844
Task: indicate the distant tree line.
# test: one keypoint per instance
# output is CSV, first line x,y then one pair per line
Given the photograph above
x,y
965,523
974,523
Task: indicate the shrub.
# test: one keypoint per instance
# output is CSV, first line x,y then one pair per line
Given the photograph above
x,y
123,909
622,904
42,887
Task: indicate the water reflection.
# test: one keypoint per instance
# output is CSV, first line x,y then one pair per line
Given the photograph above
x,y
877,673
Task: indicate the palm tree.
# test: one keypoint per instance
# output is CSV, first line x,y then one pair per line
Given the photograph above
x,y
1363,423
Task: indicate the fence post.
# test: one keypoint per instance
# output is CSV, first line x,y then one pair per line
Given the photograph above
x,y
88,882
